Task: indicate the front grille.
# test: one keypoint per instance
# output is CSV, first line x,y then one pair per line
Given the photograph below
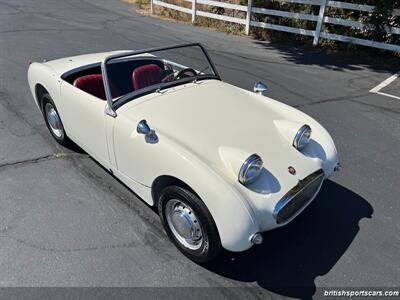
x,y
298,197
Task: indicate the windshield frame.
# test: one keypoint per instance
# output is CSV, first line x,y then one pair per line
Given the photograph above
x,y
112,106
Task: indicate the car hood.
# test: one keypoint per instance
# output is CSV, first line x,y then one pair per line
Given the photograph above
x,y
223,125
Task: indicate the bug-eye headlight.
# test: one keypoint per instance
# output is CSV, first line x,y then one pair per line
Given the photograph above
x,y
302,137
250,169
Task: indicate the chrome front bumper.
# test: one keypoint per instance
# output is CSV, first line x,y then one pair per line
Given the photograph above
x,y
298,197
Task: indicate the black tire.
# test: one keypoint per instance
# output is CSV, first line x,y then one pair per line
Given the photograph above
x,y
61,138
210,245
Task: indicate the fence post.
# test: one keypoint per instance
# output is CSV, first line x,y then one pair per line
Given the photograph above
x,y
320,21
152,6
248,15
194,11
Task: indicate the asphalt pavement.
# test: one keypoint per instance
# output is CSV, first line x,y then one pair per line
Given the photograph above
x,y
66,222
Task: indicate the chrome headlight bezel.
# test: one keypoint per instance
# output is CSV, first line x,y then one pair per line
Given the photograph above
x,y
253,161
302,137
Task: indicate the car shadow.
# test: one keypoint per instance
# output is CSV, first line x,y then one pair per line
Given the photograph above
x,y
338,61
291,257
73,147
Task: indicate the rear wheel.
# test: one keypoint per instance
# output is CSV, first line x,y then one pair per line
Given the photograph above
x,y
53,121
189,224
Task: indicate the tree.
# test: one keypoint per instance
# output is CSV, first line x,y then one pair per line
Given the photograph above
x,y
381,20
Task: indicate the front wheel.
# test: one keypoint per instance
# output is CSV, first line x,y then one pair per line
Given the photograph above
x,y
189,224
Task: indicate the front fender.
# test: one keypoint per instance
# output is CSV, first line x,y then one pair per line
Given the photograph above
x,y
231,212
321,145
144,161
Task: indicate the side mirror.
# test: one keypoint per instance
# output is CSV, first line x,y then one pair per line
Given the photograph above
x,y
260,88
143,128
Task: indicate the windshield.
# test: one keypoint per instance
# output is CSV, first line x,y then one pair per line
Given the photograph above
x,y
136,73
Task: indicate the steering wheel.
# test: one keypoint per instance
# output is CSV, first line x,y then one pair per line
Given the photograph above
x,y
188,72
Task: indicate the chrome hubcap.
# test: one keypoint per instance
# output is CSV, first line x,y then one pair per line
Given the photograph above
x,y
184,224
54,120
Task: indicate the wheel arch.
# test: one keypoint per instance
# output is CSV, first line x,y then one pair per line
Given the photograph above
x,y
223,204
163,181
40,90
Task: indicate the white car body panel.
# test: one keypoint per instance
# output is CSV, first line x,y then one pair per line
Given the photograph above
x,y
62,65
205,131
214,128
84,120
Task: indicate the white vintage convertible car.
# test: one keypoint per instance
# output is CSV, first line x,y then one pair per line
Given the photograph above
x,y
222,164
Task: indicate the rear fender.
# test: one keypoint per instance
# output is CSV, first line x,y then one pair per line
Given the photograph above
x,y
42,75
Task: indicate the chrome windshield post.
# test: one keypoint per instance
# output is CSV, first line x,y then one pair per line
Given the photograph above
x,y
109,106
109,111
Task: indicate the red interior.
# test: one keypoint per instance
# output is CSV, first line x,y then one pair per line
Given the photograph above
x,y
93,84
142,76
146,75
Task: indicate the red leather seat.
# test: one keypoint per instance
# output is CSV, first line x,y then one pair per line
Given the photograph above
x,y
93,84
146,75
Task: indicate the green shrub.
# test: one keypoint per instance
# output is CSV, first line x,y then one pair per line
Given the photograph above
x,y
376,22
381,19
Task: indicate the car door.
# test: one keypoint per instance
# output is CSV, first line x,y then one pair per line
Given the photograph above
x,y
85,121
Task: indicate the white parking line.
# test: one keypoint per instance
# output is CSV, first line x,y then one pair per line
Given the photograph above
x,y
376,90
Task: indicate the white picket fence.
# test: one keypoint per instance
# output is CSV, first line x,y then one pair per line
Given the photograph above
x,y
319,19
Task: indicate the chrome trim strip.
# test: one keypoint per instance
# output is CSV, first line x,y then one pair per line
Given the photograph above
x,y
296,191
